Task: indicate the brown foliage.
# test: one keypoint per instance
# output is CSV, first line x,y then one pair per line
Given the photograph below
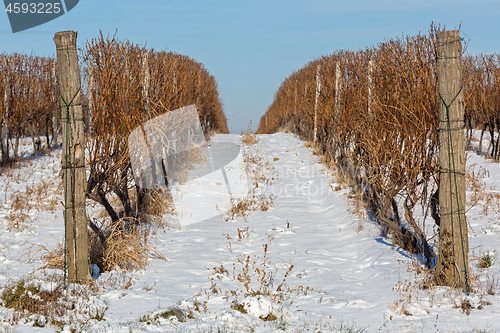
x,y
482,98
31,101
380,129
120,98
123,85
129,85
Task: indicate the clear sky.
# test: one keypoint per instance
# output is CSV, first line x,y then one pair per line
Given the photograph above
x,y
251,46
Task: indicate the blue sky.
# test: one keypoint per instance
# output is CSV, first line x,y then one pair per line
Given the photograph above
x,y
251,46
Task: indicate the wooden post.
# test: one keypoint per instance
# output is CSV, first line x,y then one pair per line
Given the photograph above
x,y
145,83
304,109
295,99
5,122
127,67
200,92
18,60
174,82
337,89
73,158
145,112
452,266
54,114
91,99
318,91
370,87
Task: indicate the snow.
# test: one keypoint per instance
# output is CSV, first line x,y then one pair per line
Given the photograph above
x,y
335,272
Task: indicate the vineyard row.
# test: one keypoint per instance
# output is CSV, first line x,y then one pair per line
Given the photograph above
x,y
113,83
374,114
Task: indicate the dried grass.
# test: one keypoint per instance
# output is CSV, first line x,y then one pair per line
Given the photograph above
x,y
423,292
126,248
254,277
487,199
33,199
43,299
262,175
156,205
24,297
249,138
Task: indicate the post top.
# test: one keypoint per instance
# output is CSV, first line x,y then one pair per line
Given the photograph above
x,y
65,32
65,38
449,32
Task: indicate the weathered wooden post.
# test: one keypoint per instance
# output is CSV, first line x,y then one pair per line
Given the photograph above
x,y
5,121
370,88
145,83
452,266
304,105
316,100
337,89
174,83
54,114
295,99
199,91
90,114
73,158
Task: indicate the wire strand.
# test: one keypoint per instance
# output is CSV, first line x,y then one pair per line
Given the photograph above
x,y
66,182
450,147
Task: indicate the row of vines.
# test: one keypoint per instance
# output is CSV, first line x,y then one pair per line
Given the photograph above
x,y
374,114
128,85
113,81
482,99
123,86
28,95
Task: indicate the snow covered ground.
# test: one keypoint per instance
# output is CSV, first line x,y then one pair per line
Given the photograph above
x,y
223,276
